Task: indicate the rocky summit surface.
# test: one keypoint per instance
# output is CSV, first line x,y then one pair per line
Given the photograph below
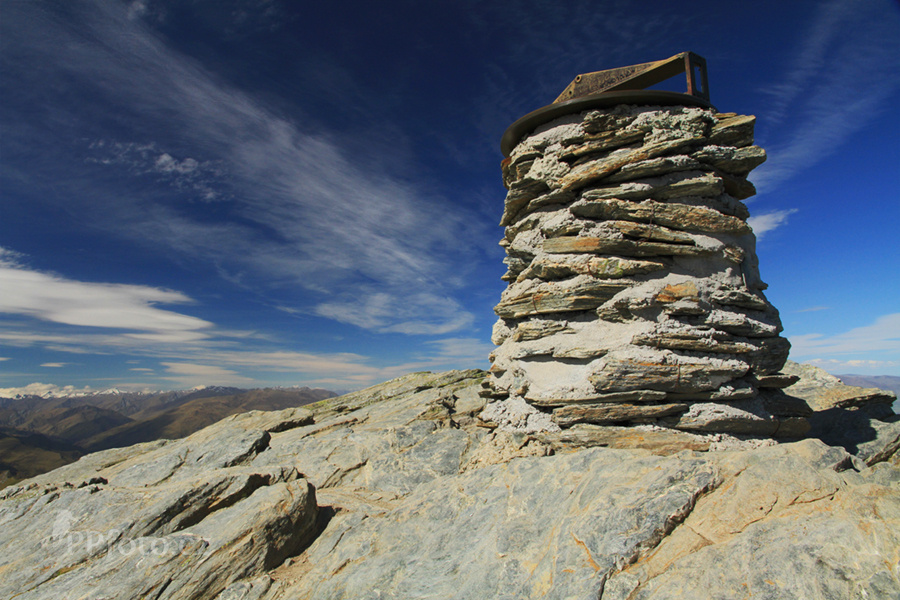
x,y
402,491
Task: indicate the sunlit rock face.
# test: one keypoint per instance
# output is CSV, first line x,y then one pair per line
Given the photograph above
x,y
634,295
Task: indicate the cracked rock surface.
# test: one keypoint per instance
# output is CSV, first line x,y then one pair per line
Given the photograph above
x,y
401,491
800,530
165,519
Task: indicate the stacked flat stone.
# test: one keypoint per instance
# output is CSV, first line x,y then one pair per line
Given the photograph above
x,y
634,295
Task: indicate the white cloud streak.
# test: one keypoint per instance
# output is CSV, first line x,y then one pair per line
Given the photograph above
x,y
380,312
882,337
102,305
217,364
847,366
846,68
467,350
192,374
813,309
764,223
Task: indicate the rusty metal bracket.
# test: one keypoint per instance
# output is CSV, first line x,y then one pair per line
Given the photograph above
x,y
625,85
642,76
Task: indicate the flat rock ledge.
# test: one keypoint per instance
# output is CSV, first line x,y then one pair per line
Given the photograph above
x,y
634,296
401,491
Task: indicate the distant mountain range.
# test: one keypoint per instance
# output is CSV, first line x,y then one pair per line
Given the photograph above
x,y
40,433
885,382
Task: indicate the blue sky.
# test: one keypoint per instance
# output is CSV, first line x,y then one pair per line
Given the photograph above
x,y
275,192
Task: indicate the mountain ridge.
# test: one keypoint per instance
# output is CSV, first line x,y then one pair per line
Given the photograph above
x,y
92,422
884,382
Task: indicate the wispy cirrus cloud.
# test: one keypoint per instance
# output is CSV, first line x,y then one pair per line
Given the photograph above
x,y
469,350
380,312
875,367
223,363
203,180
302,212
192,374
766,222
881,337
845,69
813,309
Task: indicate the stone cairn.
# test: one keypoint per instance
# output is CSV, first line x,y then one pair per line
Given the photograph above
x,y
633,292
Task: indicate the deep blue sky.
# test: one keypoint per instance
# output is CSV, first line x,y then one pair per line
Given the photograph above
x,y
275,192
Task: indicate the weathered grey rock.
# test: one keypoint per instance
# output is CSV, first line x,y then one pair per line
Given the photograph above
x,y
675,292
550,222
579,293
780,404
575,244
593,171
858,419
599,124
633,396
695,340
776,380
520,194
619,375
652,232
169,518
674,186
741,298
500,447
613,412
737,389
548,268
501,543
748,417
415,501
602,142
538,328
554,197
784,525
737,161
676,216
516,415
733,130
658,440
770,355
742,322
655,167
254,589
823,391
